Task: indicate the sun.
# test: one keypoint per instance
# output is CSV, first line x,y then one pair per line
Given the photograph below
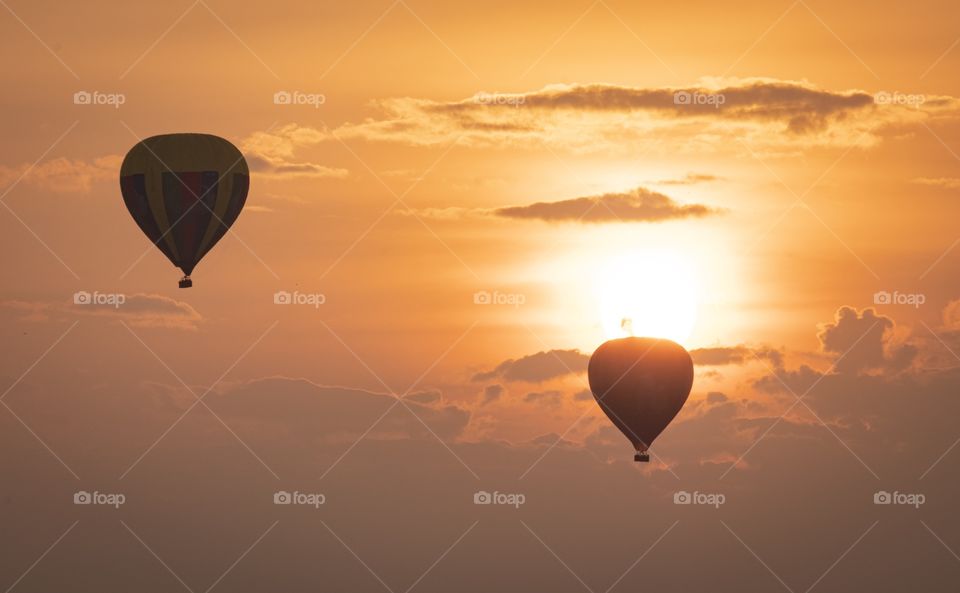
x,y
649,293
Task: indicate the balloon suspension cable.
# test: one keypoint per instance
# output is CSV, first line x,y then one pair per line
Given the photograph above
x,y
186,282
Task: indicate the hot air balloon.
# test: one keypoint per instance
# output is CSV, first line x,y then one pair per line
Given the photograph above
x,y
184,191
641,384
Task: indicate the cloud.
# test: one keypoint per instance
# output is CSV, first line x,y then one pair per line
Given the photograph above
x,y
735,355
271,153
281,168
941,342
549,398
863,341
583,395
64,175
552,440
943,182
951,316
755,98
137,310
450,213
637,205
539,367
284,141
425,397
797,380
339,414
399,478
715,397
769,115
690,179
491,393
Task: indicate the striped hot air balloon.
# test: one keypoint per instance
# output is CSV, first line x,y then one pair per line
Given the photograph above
x,y
184,191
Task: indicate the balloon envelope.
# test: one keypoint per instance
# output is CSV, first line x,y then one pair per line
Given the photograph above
x,y
640,384
184,191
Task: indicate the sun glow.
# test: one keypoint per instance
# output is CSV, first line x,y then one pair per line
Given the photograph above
x,y
649,294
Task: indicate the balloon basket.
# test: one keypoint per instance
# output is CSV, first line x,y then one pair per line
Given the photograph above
x,y
641,457
186,282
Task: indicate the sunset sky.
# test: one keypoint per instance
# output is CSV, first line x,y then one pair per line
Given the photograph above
x,y
793,225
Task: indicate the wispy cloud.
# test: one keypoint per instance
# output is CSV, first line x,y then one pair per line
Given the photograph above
x,y
139,310
273,153
771,115
64,175
944,182
538,367
689,179
637,205
735,355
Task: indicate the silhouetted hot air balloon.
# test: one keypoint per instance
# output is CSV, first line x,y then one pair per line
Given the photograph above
x,y
641,384
184,191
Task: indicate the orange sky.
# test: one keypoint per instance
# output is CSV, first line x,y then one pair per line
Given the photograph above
x,y
445,156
